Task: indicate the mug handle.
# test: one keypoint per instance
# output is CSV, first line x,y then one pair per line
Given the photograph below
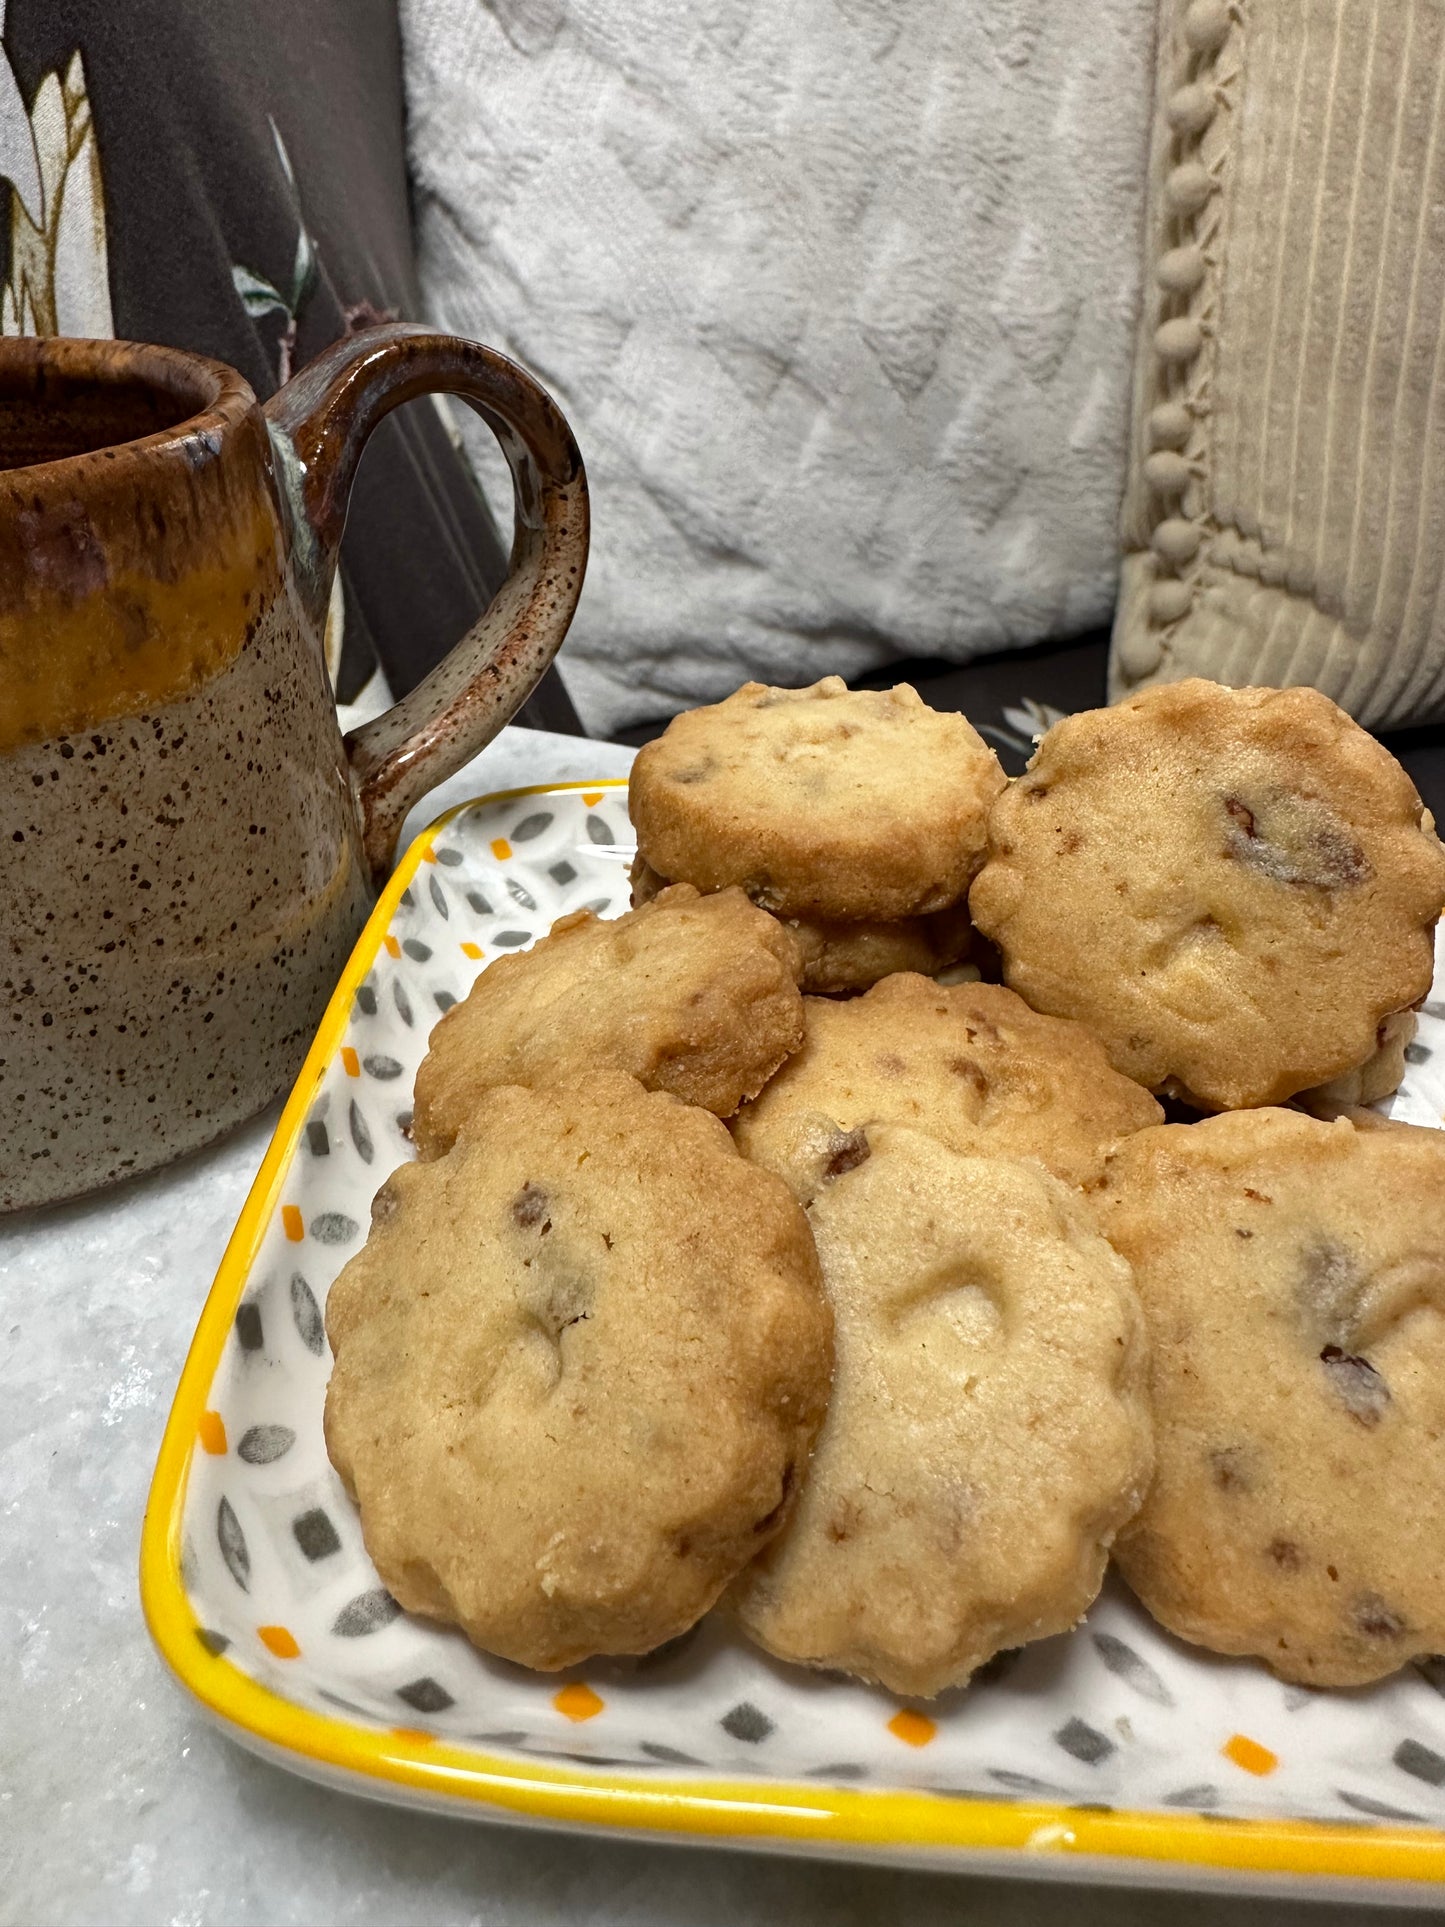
x,y
319,423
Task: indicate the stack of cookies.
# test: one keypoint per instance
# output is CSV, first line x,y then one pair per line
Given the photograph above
x,y
859,817
890,1361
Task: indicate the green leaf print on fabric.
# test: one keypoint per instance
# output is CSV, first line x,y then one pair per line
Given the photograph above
x,y
262,297
257,295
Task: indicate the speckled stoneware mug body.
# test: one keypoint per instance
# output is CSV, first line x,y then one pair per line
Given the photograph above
x,y
189,848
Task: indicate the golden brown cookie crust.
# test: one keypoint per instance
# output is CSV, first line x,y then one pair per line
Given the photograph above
x,y
578,1369
1379,1076
1234,888
697,996
971,1064
988,1430
822,802
1292,1273
839,957
846,957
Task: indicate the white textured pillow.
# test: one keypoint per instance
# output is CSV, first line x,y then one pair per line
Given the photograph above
x,y
839,298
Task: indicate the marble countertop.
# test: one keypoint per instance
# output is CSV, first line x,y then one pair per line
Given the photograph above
x,y
120,1803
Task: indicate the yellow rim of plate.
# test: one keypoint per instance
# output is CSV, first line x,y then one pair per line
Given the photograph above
x,y
727,1810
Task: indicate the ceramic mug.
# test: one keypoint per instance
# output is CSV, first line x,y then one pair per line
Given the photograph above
x,y
189,848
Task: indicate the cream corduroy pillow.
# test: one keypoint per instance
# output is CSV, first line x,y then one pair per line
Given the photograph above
x,y
1285,514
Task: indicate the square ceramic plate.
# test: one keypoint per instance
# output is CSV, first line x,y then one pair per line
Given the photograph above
x,y
1115,1752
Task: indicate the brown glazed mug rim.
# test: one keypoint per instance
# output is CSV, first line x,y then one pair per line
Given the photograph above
x,y
219,397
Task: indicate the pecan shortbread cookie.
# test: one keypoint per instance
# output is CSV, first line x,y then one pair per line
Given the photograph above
x,y
693,995
825,802
851,956
988,1430
1234,887
972,1065
1292,1273
579,1367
